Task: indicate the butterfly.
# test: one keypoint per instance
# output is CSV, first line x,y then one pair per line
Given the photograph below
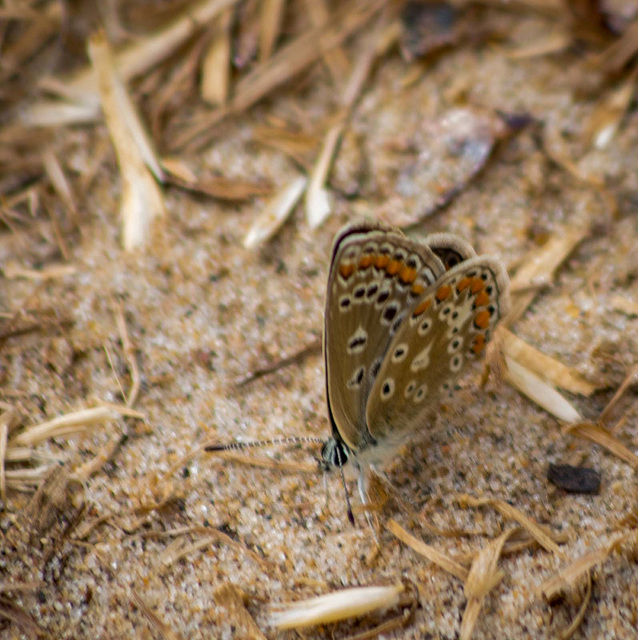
x,y
403,319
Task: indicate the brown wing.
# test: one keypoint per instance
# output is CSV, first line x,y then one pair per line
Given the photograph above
x,y
445,329
376,275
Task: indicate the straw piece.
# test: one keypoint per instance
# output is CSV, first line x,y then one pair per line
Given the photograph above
x,y
540,265
484,575
66,425
215,72
272,13
336,606
233,599
51,272
624,305
543,365
538,532
433,555
289,61
130,62
540,392
275,213
141,197
598,434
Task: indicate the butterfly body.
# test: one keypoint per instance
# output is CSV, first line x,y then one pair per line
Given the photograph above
x,y
403,319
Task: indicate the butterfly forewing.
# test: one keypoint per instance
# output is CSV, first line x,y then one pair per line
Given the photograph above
x,y
444,330
376,276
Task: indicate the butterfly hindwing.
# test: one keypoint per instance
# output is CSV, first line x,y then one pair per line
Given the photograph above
x,y
444,330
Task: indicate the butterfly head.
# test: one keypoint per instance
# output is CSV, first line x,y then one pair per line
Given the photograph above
x,y
334,454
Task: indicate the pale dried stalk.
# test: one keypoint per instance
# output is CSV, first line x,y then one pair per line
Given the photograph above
x,y
540,265
142,198
130,62
540,392
484,575
433,555
543,365
538,532
69,424
336,606
275,213
289,61
270,20
60,183
598,434
630,380
50,272
215,82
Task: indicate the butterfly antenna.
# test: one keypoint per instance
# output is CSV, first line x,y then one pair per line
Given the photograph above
x,y
238,446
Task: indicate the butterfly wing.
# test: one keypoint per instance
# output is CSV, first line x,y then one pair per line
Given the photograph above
x,y
376,275
444,330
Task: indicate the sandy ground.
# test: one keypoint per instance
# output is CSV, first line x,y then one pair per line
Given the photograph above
x,y
201,311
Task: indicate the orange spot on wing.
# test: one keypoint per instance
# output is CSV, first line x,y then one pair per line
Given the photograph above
x,y
443,293
422,307
346,270
479,344
381,261
407,274
477,285
482,299
393,267
417,289
482,319
464,284
366,261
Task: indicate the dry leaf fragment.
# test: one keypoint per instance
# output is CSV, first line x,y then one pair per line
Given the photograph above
x,y
448,154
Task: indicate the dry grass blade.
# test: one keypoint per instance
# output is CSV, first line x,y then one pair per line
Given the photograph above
x,y
155,621
130,63
624,305
540,392
317,201
275,213
51,272
142,198
571,629
538,532
272,13
17,615
630,380
215,73
484,575
540,265
543,365
60,183
606,118
69,424
335,606
598,434
548,43
313,347
4,433
289,61
433,555
269,463
234,600
618,54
